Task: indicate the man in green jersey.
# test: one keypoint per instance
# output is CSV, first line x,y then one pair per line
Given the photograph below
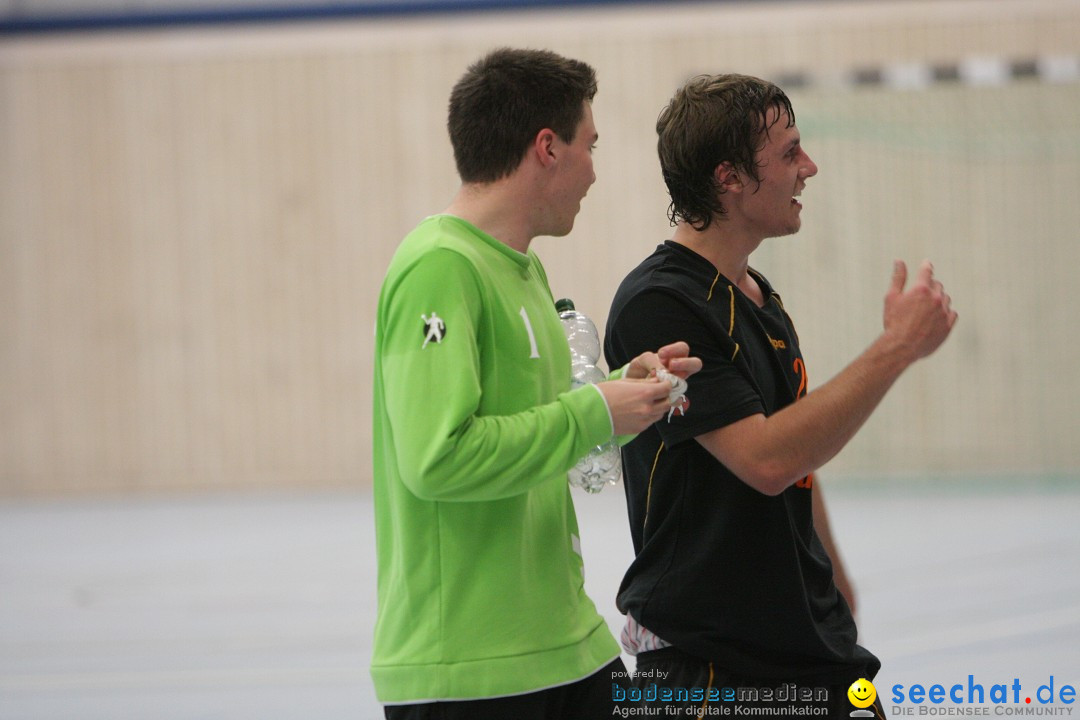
x,y
482,609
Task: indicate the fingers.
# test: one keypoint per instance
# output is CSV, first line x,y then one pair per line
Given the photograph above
x,y
926,273
924,278
937,290
675,357
899,277
642,366
657,390
919,317
635,404
674,350
684,367
952,316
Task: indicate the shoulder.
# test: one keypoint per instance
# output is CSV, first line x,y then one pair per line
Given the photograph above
x,y
667,271
439,234
437,265
430,262
767,289
440,240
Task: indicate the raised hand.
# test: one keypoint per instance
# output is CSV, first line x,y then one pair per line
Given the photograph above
x,y
917,318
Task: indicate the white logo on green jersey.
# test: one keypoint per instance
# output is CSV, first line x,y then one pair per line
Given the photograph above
x,y
434,329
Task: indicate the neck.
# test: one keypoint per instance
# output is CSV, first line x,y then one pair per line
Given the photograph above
x,y
495,209
729,252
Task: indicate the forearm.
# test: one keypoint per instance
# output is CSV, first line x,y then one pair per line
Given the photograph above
x,y
771,453
492,457
810,432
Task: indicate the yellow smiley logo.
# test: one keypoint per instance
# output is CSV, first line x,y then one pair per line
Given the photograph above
x,y
862,693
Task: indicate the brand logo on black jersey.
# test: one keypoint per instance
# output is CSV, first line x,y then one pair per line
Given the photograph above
x,y
434,329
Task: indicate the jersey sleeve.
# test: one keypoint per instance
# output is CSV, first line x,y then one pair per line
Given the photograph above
x,y
445,449
720,393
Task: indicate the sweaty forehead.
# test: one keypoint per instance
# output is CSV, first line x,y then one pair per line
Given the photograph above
x,y
778,118
778,129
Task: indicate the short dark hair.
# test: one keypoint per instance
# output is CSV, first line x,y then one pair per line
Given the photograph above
x,y
713,119
504,99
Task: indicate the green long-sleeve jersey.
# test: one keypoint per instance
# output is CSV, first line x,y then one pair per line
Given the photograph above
x,y
480,577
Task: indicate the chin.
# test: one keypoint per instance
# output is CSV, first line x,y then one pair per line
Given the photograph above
x,y
787,232
562,230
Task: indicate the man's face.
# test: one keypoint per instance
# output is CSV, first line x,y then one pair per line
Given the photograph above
x,y
783,166
575,174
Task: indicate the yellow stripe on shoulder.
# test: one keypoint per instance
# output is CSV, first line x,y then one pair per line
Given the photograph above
x,y
709,296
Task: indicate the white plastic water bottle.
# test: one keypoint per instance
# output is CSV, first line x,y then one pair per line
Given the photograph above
x,y
603,464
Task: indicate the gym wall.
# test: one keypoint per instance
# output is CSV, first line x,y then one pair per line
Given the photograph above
x,y
195,221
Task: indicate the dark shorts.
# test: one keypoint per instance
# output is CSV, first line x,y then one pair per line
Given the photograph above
x,y
586,699
670,678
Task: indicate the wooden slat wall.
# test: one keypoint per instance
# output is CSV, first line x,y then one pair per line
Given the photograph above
x,y
194,227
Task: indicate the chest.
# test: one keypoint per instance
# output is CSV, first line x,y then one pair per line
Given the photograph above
x,y
767,350
524,358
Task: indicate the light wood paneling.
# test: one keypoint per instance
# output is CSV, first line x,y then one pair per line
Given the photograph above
x,y
194,226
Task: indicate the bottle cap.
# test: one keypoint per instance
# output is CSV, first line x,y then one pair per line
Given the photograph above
x,y
564,305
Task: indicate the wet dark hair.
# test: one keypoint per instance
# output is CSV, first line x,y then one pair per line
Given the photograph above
x,y
711,120
504,99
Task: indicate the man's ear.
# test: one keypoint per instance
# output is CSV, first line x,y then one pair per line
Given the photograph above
x,y
727,177
543,146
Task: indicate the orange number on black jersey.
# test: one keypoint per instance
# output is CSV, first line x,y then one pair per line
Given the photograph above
x,y
800,370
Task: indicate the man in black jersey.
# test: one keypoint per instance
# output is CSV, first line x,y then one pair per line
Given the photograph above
x,y
731,587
